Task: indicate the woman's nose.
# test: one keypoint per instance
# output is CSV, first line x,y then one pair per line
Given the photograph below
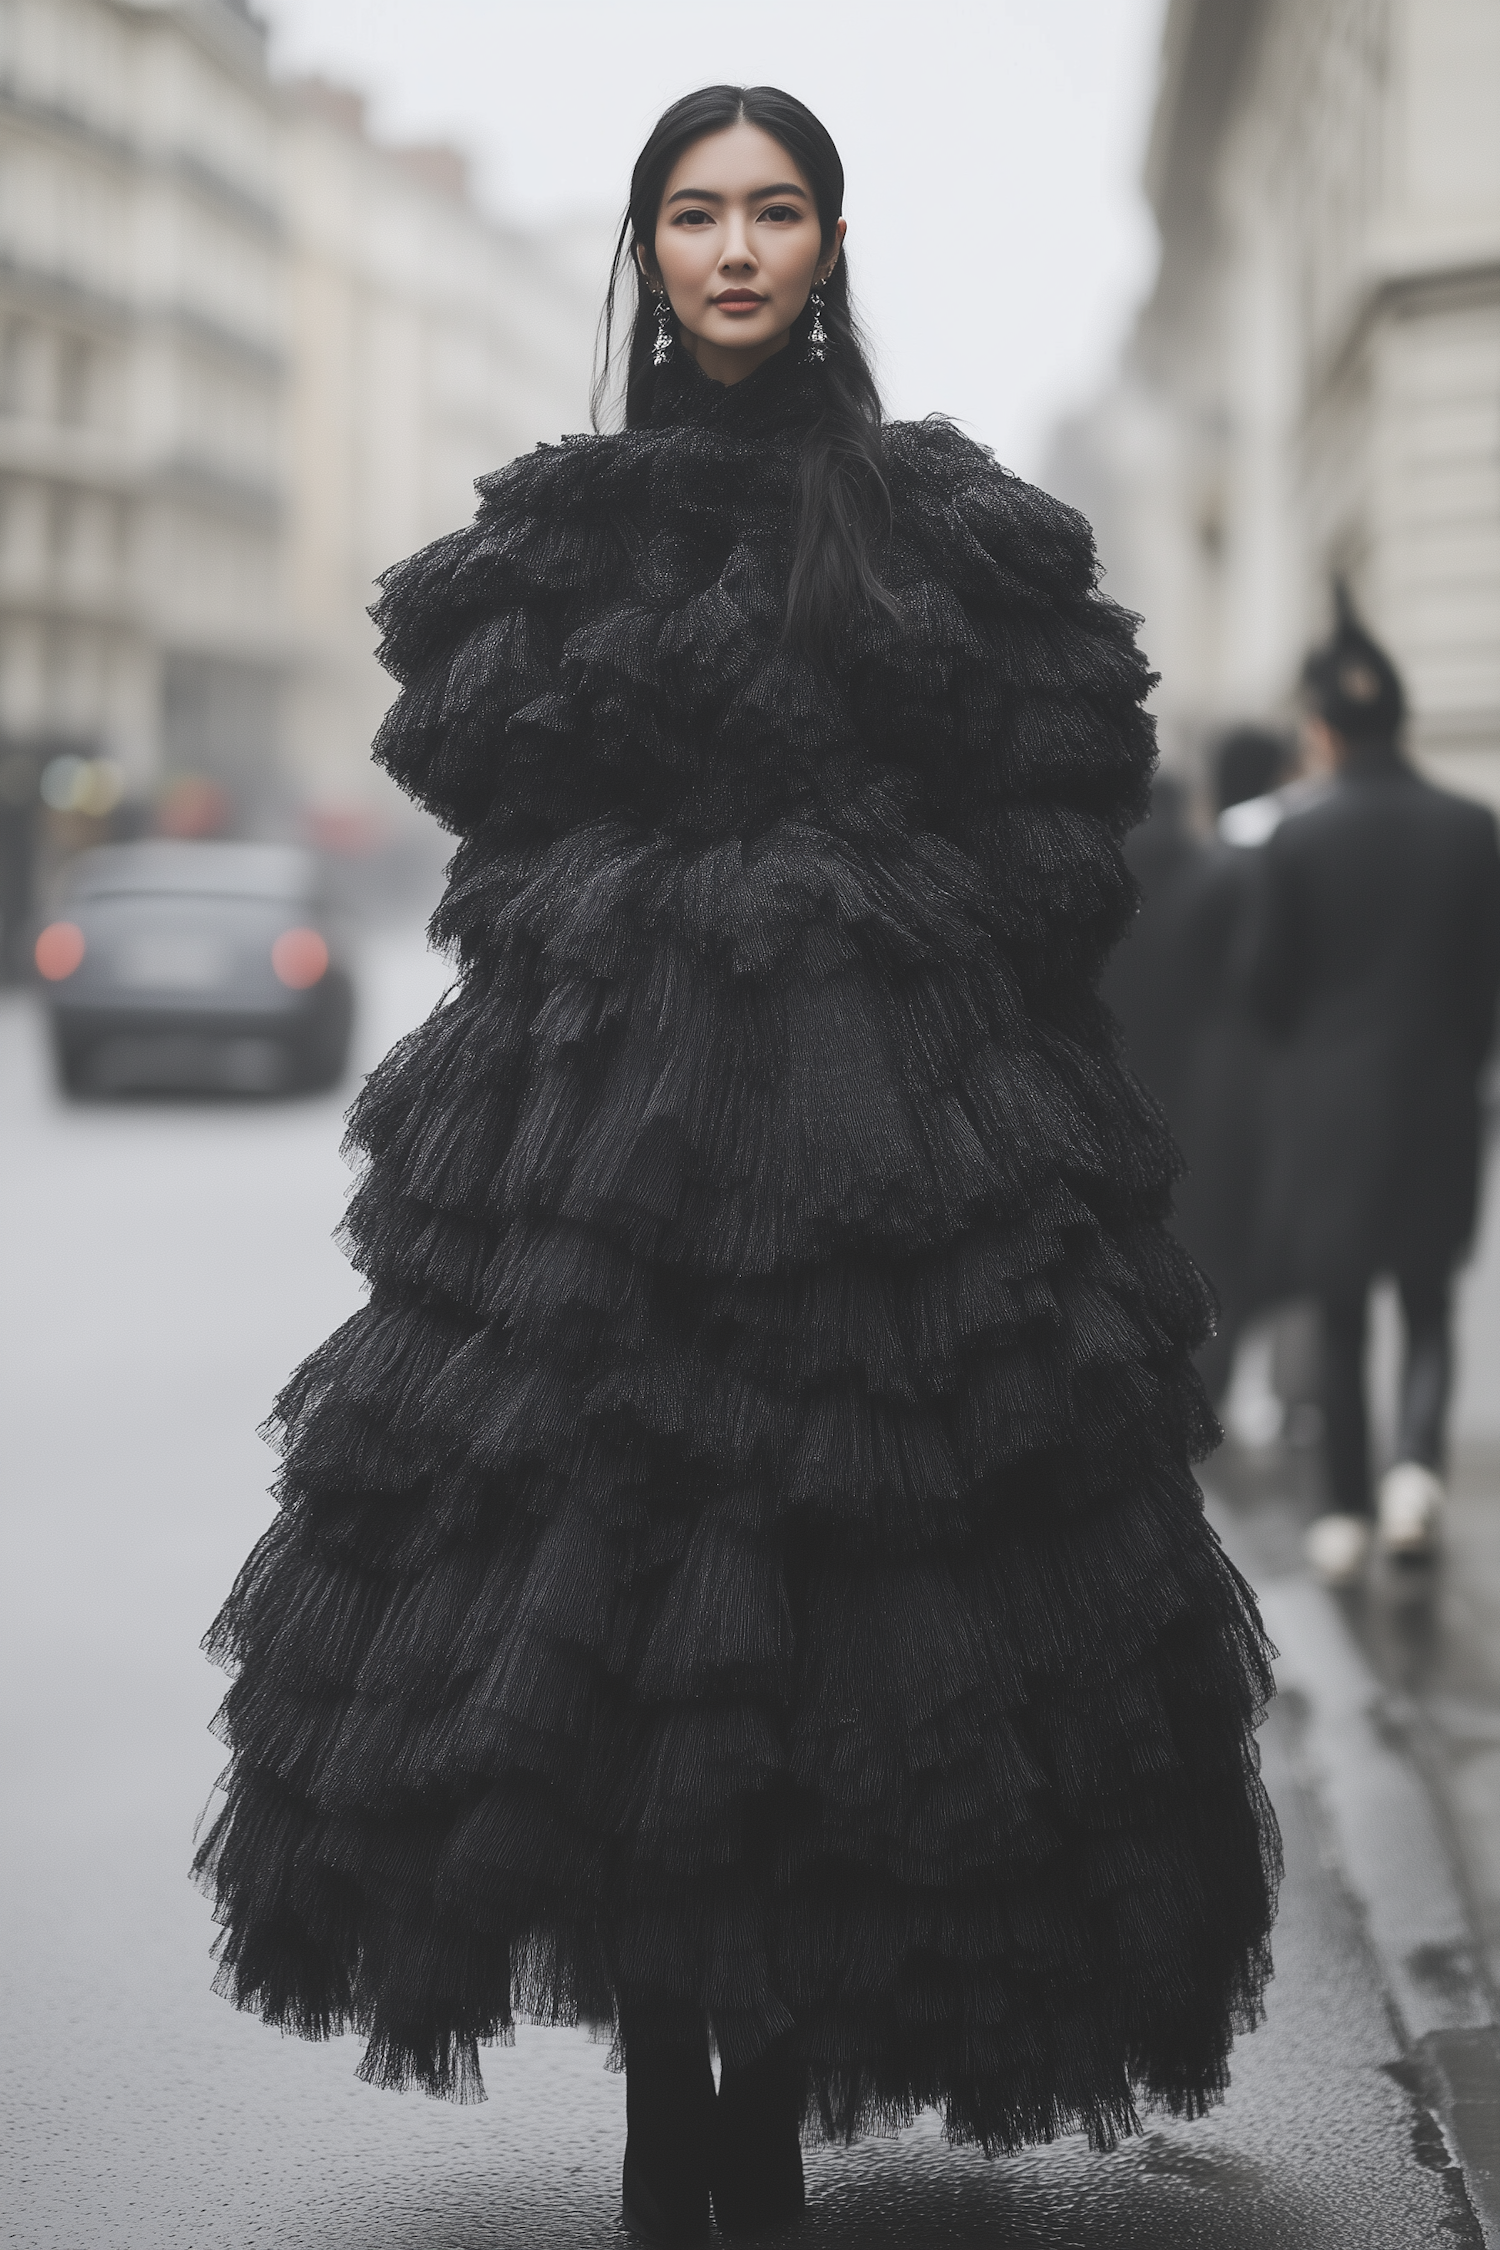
x,y
737,250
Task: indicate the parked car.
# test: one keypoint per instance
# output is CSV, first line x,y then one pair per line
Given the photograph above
x,y
196,966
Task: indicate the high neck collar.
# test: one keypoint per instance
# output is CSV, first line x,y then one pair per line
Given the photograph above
x,y
785,393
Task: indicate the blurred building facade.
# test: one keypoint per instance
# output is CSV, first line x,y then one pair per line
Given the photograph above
x,y
142,373
248,357
428,344
1314,386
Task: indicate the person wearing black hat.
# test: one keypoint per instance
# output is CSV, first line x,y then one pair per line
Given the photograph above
x,y
1374,967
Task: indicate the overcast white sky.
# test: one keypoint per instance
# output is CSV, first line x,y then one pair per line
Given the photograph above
x,y
997,236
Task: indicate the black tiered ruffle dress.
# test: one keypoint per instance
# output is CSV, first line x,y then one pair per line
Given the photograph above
x,y
744,1554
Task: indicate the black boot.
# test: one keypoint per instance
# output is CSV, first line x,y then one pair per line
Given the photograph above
x,y
758,2146
669,2120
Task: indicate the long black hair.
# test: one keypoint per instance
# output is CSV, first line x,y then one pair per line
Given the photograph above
x,y
845,503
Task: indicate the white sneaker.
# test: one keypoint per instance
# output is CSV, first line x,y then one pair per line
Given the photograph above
x,y
1411,1509
1337,1548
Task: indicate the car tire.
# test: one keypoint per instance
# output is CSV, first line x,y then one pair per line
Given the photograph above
x,y
73,1058
322,1055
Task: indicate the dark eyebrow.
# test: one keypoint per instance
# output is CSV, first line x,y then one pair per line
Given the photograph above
x,y
756,195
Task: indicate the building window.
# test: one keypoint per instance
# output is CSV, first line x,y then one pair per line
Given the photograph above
x,y
75,372
13,356
62,526
220,721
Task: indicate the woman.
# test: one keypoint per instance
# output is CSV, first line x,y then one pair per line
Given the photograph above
x,y
740,1577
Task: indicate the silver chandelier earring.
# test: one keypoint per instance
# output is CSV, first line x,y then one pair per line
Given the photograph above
x,y
817,335
661,350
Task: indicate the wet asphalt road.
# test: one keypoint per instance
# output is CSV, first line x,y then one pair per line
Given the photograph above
x,y
164,1267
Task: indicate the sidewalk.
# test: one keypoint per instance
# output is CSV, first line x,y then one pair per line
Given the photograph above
x,y
1396,1688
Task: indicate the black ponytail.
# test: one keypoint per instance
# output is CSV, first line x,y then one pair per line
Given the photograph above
x,y
845,508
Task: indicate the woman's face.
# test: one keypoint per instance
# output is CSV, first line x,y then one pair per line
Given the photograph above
x,y
738,247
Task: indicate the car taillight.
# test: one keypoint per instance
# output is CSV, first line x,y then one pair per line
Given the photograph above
x,y
59,950
300,958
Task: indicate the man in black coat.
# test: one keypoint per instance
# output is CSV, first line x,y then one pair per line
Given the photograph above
x,y
1375,966
1220,1125
1147,980
1187,1034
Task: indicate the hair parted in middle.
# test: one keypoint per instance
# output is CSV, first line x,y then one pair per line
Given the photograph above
x,y
844,508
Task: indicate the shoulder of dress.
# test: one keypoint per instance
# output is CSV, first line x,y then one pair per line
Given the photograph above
x,y
945,484
548,527
598,483
563,471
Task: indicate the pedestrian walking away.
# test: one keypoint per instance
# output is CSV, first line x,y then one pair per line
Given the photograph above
x,y
740,1580
1374,967
1148,983
1219,1115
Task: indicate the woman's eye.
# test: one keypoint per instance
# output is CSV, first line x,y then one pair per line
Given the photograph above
x,y
692,219
782,211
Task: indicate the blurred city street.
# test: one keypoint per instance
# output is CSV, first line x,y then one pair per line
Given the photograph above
x,y
279,281
167,1265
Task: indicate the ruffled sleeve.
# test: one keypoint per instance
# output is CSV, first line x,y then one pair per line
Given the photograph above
x,y
1018,695
474,628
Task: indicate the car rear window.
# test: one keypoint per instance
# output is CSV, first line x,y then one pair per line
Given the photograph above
x,y
255,871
